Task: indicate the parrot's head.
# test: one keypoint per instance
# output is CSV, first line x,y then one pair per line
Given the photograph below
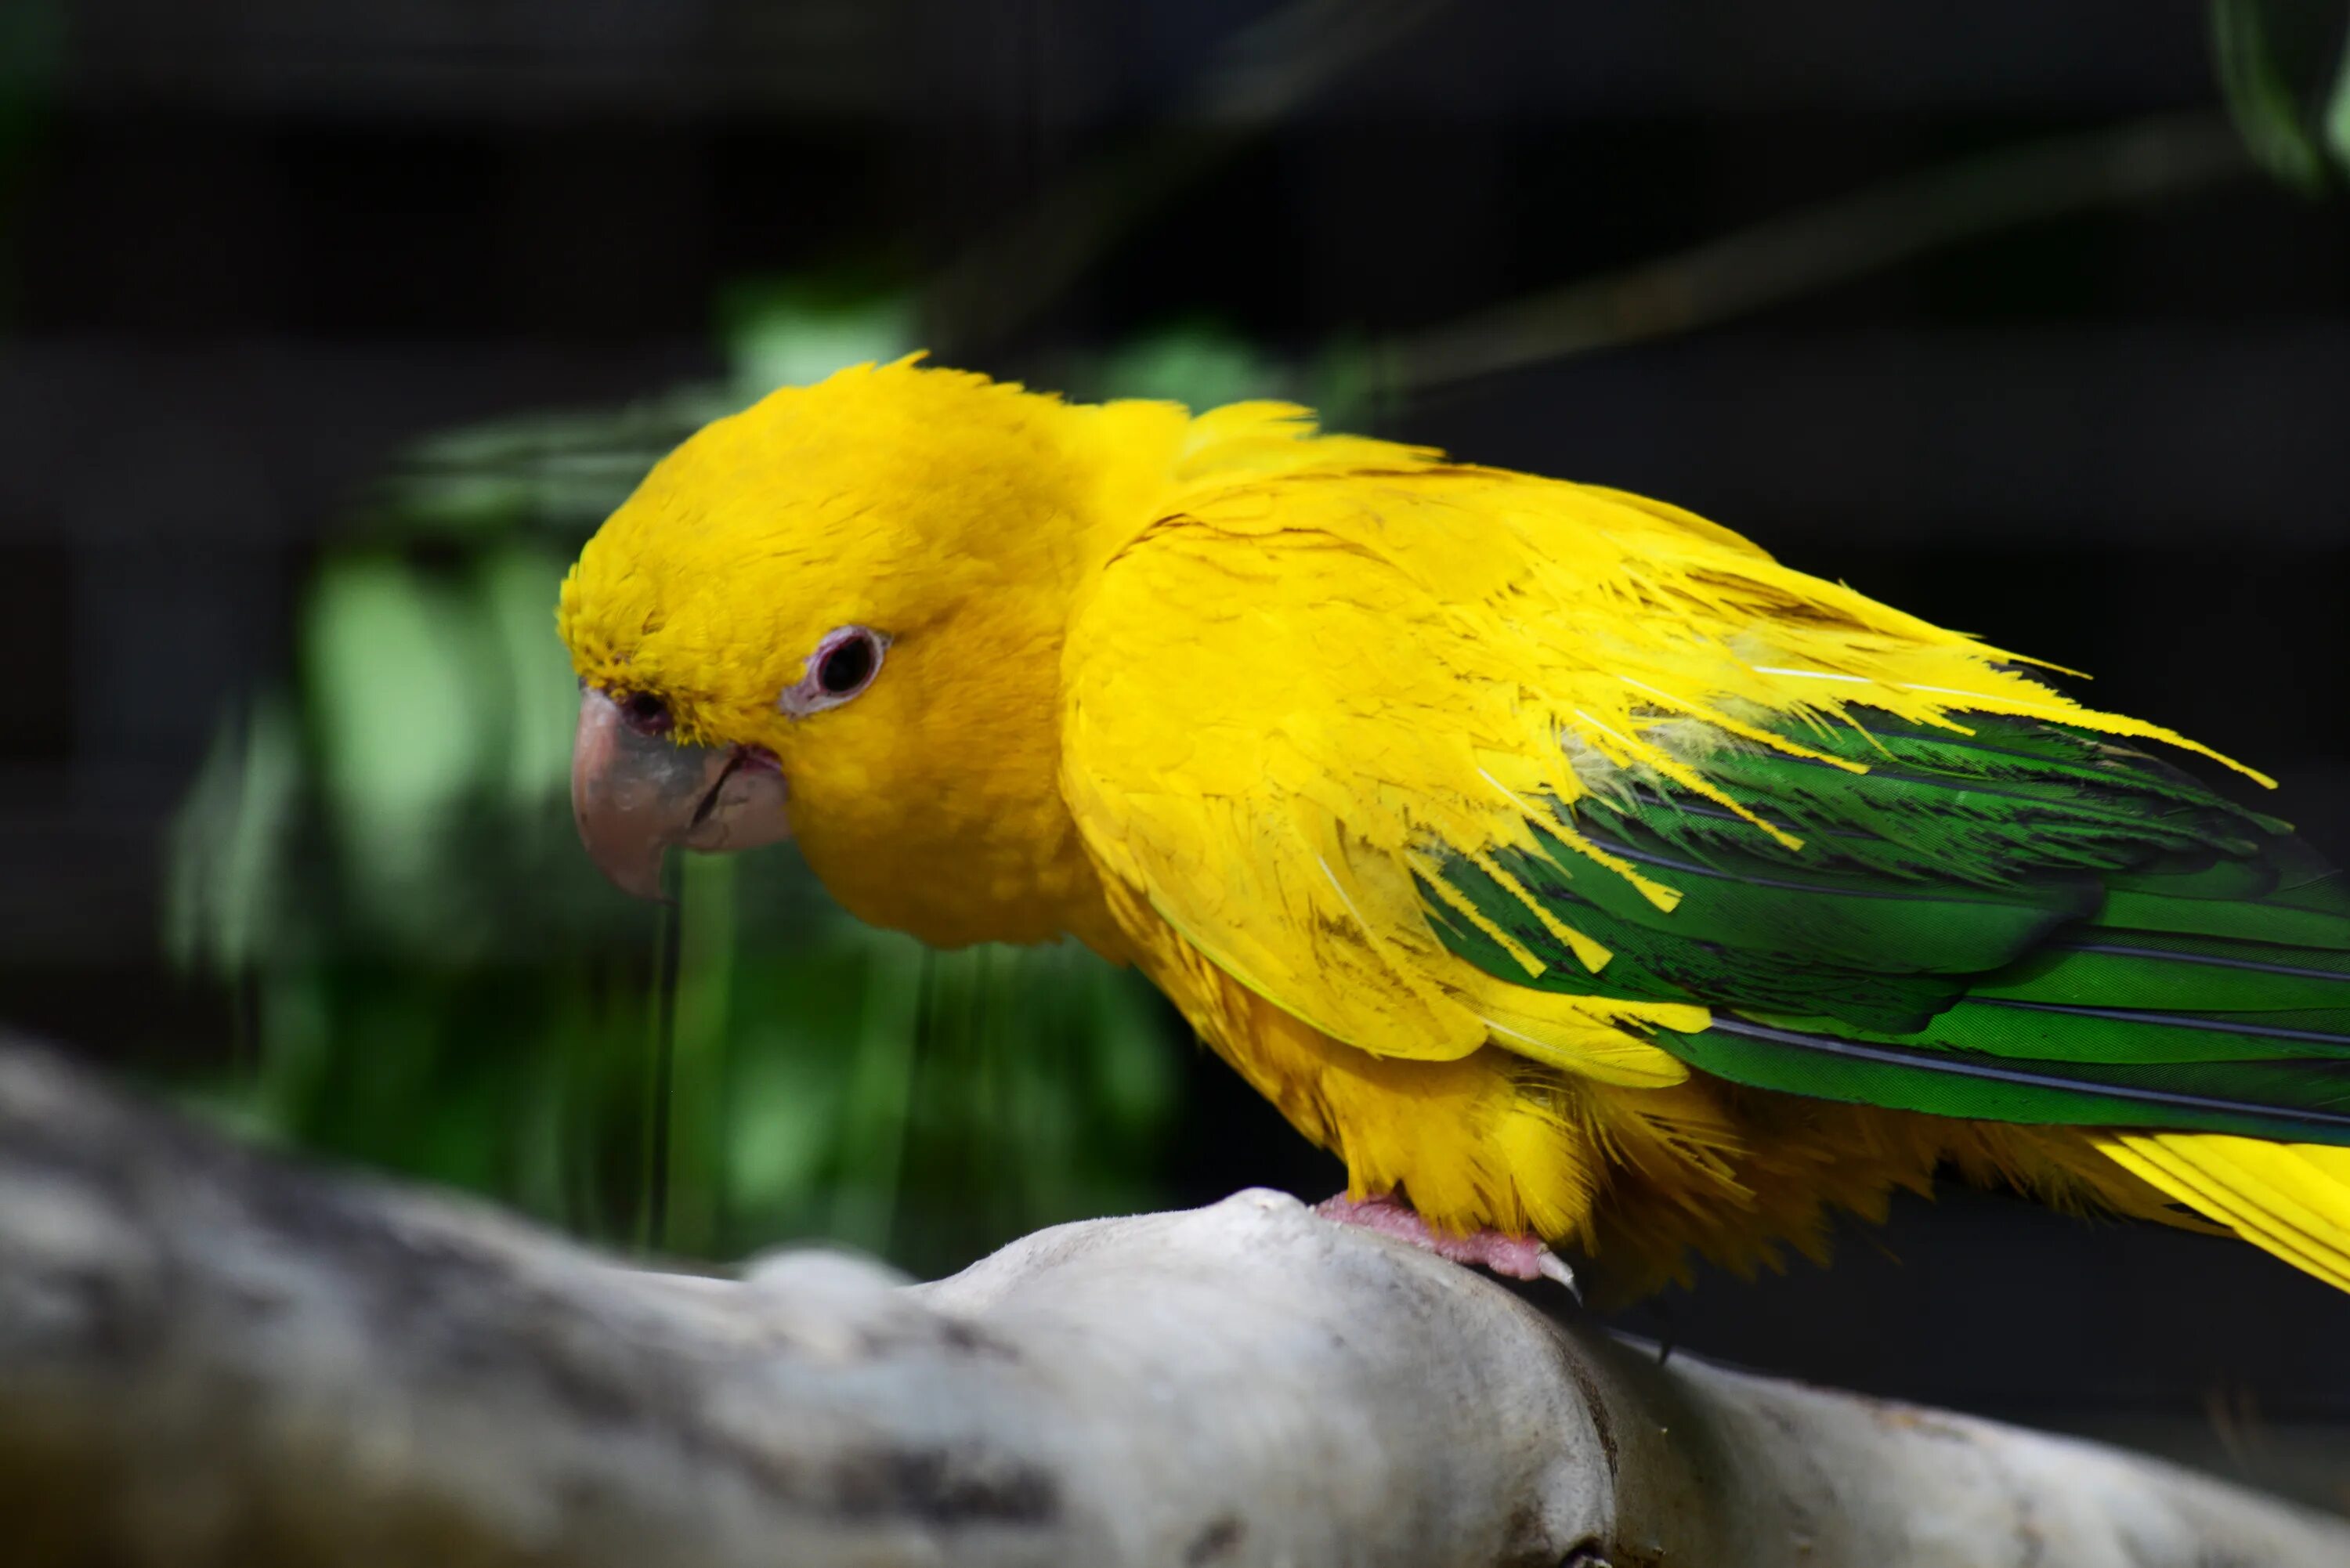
x,y
837,616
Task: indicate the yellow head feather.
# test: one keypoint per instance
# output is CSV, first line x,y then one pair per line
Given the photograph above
x,y
949,513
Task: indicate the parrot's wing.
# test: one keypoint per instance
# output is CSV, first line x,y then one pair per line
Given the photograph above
x,y
2024,922
1429,765
1251,750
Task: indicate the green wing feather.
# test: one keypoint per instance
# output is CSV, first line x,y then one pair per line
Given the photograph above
x,y
2026,923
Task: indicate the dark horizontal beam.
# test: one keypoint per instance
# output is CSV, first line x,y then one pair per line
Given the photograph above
x,y
2139,435
1068,62
118,440
2136,436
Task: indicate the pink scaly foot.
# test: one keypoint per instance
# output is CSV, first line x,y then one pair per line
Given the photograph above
x,y
1518,1257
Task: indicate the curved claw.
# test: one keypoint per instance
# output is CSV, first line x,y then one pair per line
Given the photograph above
x,y
1516,1257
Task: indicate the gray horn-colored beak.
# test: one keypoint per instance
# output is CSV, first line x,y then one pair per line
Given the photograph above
x,y
634,794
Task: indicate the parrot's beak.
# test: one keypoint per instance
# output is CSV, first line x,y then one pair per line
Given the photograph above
x,y
635,795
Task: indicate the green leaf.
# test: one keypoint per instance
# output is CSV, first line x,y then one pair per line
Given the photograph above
x,y
558,471
791,332
2336,124
1200,364
2263,51
517,585
224,870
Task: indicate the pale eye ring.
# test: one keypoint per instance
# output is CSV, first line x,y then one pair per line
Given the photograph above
x,y
844,664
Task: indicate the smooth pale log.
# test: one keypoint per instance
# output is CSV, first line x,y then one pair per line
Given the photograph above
x,y
208,1355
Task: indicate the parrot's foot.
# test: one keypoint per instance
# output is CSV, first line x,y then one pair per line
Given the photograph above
x,y
1517,1257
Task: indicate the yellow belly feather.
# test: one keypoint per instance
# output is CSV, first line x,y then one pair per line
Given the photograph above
x,y
1641,1179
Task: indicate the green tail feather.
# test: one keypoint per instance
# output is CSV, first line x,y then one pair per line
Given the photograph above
x,y
2031,923
2300,1102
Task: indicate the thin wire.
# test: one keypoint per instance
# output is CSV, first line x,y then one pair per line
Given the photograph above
x,y
668,931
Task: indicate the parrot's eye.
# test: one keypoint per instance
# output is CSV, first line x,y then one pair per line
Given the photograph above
x,y
646,713
847,667
844,664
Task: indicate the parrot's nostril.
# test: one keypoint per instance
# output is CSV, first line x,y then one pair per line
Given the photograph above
x,y
646,713
637,791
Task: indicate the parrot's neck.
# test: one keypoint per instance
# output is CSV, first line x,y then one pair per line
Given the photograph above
x,y
986,849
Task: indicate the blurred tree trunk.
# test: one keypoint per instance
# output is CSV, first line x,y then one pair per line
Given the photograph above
x,y
208,1355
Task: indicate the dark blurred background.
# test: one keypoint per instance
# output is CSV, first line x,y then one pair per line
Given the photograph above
x,y
329,328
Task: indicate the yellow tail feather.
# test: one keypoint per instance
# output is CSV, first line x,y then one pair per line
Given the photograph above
x,y
2290,1198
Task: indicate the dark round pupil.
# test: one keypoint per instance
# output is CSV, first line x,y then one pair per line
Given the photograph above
x,y
846,667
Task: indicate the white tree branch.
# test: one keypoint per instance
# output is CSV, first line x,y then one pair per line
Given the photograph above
x,y
211,1356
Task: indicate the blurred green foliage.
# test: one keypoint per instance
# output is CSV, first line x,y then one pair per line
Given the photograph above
x,y
1199,363
2284,72
1202,362
431,977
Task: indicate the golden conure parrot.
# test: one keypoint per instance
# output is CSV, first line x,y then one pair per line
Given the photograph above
x,y
1568,866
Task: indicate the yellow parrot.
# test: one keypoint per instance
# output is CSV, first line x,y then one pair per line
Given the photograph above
x,y
1568,866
